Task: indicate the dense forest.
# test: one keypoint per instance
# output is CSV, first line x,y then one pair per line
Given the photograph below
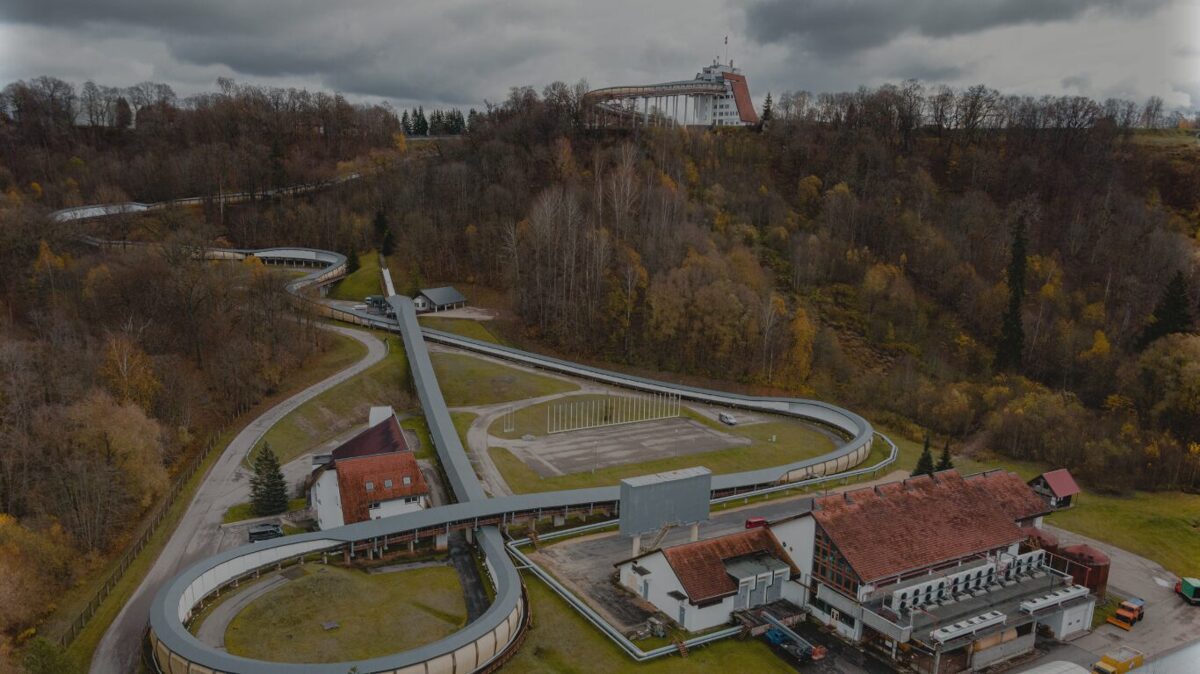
x,y
1018,275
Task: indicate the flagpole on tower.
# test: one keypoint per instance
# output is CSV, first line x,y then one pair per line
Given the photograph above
x,y
727,49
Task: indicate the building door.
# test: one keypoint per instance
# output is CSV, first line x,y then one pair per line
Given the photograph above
x,y
682,616
646,589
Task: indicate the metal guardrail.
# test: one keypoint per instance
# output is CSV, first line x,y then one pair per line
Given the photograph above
x,y
336,268
607,628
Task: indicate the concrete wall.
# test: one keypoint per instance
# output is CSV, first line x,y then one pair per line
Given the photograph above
x,y
397,506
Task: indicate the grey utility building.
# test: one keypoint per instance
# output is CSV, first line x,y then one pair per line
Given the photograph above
x,y
439,299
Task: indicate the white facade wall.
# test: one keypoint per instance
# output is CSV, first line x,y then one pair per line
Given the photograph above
x,y
1072,620
379,414
397,506
655,586
327,500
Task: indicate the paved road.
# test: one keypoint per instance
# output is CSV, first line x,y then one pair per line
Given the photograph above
x,y
1166,632
199,533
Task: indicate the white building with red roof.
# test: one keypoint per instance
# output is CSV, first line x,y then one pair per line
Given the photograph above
x,y
372,475
933,571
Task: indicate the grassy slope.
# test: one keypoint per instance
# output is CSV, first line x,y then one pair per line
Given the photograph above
x,y
461,326
377,614
562,642
245,511
365,281
467,380
343,352
342,407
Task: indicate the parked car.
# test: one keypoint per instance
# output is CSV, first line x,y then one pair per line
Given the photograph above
x,y
727,419
265,532
755,522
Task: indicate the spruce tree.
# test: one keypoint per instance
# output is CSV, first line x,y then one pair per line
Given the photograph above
x,y
406,124
388,244
1012,332
351,260
925,463
945,462
1172,313
268,489
768,111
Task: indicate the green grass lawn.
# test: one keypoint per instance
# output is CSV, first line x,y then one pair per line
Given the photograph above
x,y
377,614
365,281
1164,526
467,380
462,423
342,352
461,326
561,641
245,511
343,407
419,426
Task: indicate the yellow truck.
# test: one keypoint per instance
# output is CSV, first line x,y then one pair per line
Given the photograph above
x,y
1120,661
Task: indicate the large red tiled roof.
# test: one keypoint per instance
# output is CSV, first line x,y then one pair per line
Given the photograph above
x,y
1061,482
700,566
384,436
904,526
1011,493
353,475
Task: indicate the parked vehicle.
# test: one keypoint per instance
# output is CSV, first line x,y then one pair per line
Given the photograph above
x,y
727,419
1129,613
1120,661
755,522
265,532
1189,589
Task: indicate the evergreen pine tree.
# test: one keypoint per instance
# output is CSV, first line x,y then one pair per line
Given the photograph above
x,y
945,462
1012,332
268,489
388,244
925,463
351,260
1172,313
767,112
406,124
381,225
421,125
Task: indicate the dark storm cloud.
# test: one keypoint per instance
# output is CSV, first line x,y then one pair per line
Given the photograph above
x,y
930,72
832,28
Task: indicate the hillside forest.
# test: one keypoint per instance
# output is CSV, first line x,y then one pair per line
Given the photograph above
x,y
1017,275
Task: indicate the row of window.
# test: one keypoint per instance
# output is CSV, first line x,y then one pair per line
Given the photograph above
x,y
387,484
374,505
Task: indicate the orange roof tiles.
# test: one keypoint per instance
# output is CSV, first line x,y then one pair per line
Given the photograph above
x,y
353,474
1012,494
700,566
923,521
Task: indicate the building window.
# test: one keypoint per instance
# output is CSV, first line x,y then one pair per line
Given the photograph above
x,y
387,484
373,505
370,486
407,480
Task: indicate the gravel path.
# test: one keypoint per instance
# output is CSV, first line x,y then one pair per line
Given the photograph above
x,y
199,533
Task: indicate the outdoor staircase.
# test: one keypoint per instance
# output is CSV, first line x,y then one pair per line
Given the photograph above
x,y
658,538
682,647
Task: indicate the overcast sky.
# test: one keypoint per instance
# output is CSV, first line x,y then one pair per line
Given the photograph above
x,y
461,52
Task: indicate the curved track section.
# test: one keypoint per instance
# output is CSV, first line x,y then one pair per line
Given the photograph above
x,y
488,640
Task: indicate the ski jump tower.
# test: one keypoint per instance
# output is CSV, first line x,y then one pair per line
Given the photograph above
x,y
717,96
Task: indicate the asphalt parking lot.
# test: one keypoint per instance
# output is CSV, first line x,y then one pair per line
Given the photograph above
x,y
584,450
